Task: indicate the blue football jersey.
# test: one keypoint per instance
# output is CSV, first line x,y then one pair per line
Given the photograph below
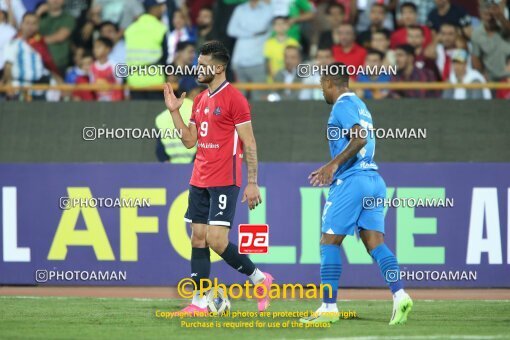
x,y
348,111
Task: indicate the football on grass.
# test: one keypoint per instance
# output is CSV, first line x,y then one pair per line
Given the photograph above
x,y
217,301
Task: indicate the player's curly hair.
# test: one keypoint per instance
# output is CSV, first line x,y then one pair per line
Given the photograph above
x,y
216,50
337,73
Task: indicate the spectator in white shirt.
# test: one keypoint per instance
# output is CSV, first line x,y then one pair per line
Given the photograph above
x,y
182,32
7,32
121,12
24,64
250,25
463,74
15,11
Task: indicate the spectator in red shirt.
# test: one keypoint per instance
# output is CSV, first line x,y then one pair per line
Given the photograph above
x,y
347,51
407,71
194,7
102,71
505,93
409,17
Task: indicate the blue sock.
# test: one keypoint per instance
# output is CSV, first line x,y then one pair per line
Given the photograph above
x,y
331,268
389,267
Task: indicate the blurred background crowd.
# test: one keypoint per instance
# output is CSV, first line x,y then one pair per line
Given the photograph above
x,y
82,41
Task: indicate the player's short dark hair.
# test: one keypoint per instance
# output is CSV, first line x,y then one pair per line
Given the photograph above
x,y
216,50
409,5
385,32
333,5
105,41
108,23
408,49
181,46
337,73
376,52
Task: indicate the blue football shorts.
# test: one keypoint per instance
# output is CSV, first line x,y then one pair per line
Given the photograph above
x,y
350,204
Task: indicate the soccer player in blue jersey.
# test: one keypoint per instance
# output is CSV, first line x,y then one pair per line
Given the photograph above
x,y
354,183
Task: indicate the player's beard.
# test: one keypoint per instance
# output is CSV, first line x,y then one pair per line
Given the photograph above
x,y
205,78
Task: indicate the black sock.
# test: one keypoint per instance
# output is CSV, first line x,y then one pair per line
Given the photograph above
x,y
239,262
200,264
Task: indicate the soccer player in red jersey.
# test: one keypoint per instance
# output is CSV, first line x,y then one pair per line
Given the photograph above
x,y
220,126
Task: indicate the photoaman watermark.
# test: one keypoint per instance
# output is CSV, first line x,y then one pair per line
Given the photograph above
x,y
249,290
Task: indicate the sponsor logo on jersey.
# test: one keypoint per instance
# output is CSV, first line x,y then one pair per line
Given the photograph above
x,y
217,111
208,145
364,112
206,111
367,165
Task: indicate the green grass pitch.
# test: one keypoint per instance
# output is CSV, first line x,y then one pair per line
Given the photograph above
x,y
96,318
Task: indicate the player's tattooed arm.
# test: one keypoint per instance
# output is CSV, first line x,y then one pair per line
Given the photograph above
x,y
252,192
173,104
324,175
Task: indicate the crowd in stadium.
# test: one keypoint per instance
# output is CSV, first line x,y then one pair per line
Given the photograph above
x,y
82,41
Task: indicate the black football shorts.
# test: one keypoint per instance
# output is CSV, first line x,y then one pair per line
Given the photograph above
x,y
212,206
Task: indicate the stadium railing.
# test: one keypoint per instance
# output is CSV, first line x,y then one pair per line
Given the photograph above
x,y
432,86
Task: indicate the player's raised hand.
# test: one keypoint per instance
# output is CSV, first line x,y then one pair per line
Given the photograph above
x,y
171,101
252,195
323,175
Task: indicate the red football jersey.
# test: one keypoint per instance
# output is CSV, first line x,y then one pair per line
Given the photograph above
x,y
219,150
104,74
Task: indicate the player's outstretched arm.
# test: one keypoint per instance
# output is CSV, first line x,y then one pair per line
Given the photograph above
x,y
324,175
173,104
251,192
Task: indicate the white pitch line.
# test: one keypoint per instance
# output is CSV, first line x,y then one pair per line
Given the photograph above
x,y
438,336
166,299
84,297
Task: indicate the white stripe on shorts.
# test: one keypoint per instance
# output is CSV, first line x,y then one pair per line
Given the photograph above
x,y
223,223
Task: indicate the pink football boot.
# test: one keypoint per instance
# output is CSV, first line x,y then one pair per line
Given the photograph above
x,y
193,311
264,302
